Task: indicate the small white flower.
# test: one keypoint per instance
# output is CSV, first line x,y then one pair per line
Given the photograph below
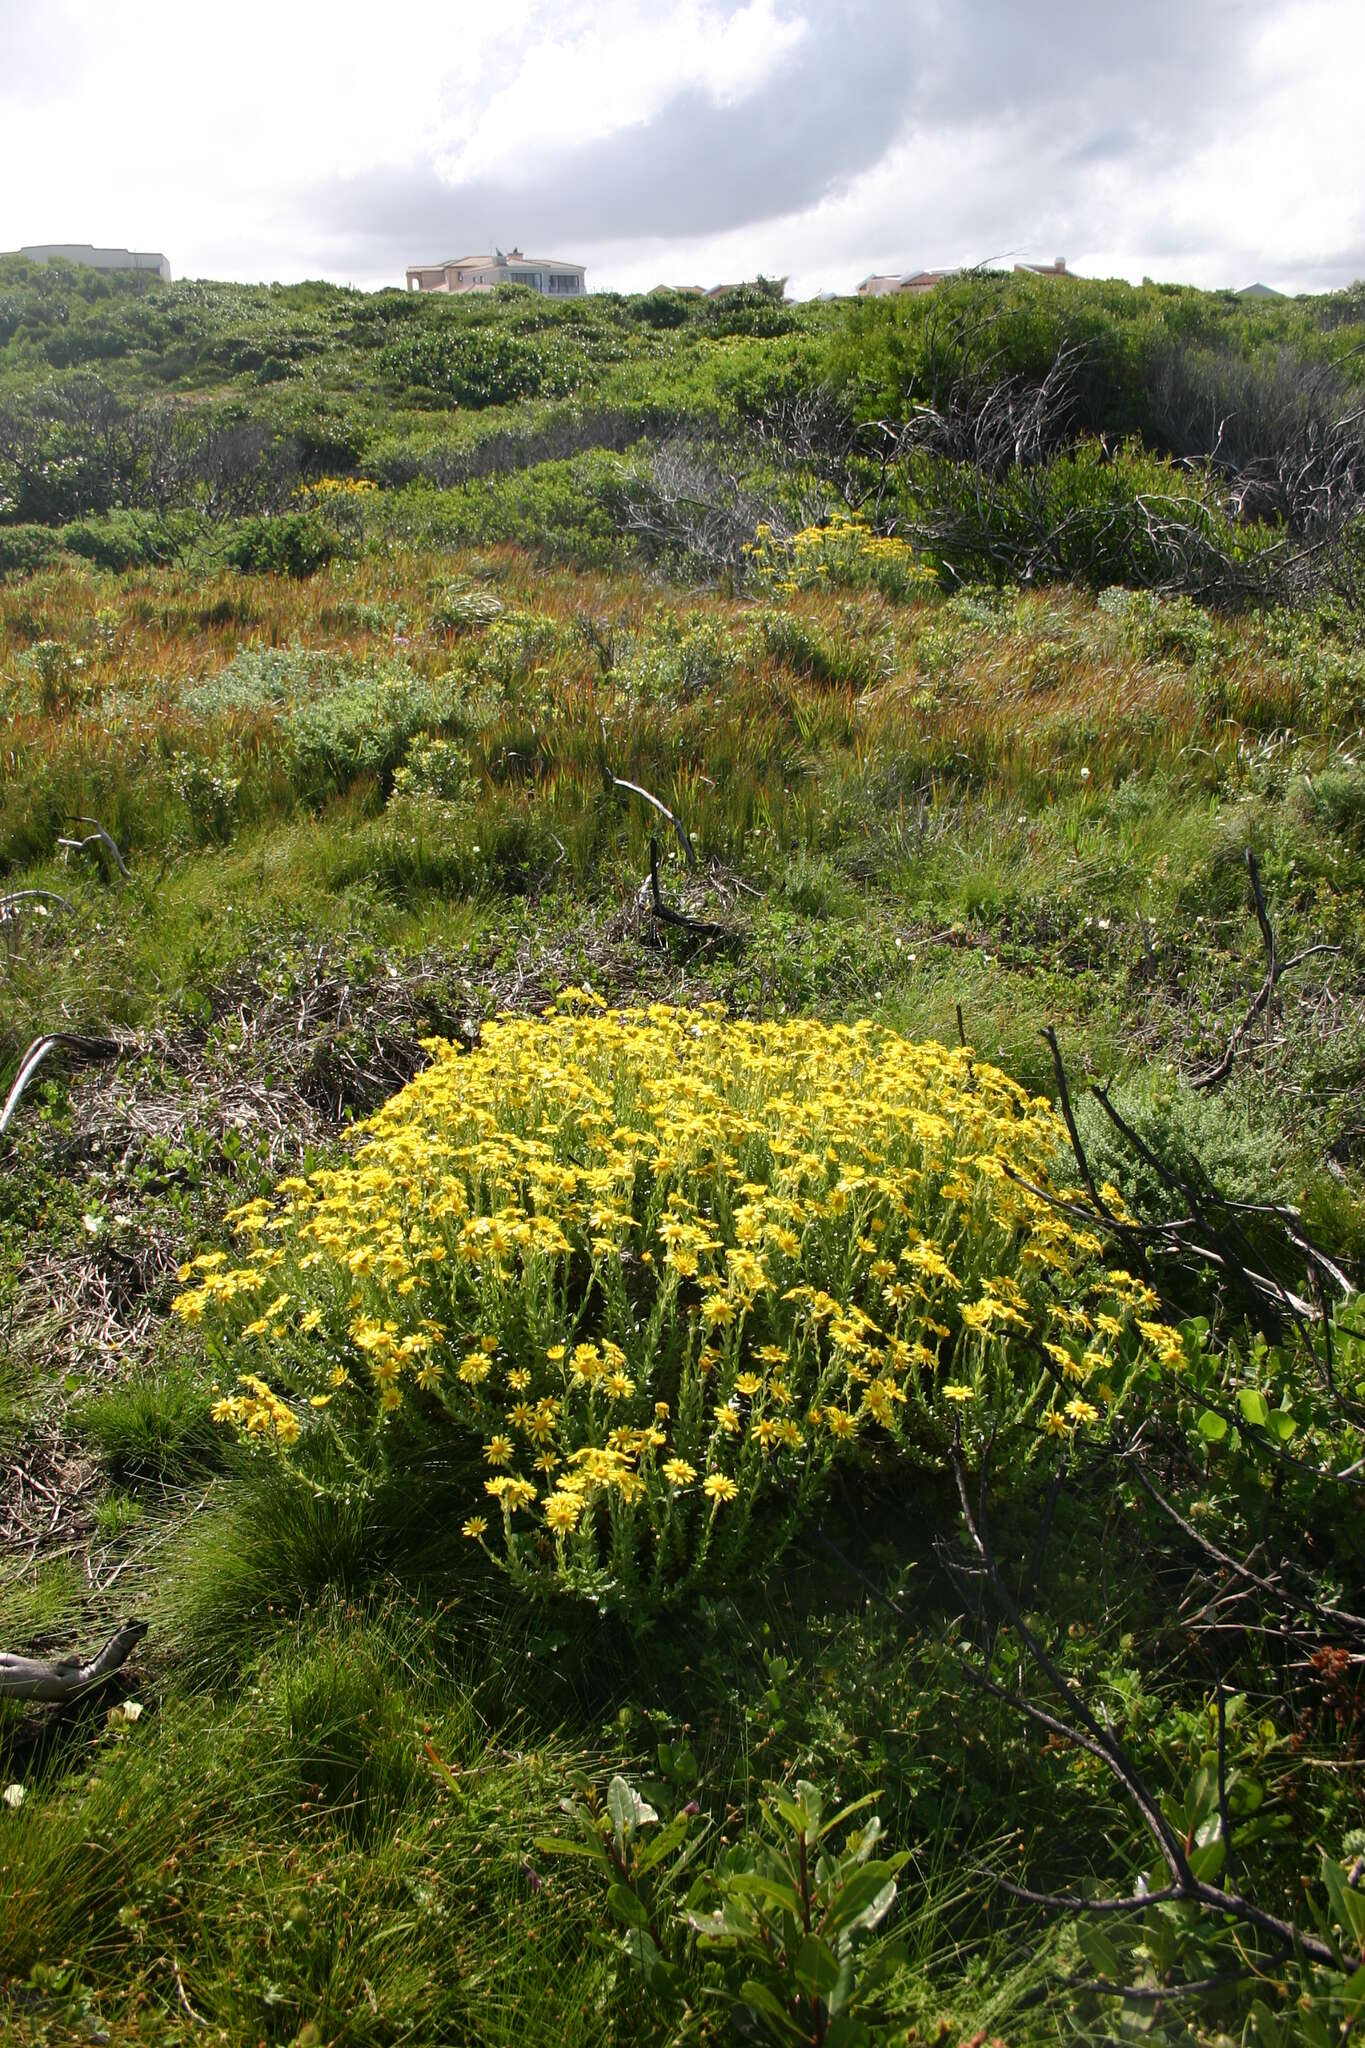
x,y
1085,775
133,1710
14,1796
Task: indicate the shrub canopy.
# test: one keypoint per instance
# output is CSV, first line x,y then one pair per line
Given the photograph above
x,y
661,1270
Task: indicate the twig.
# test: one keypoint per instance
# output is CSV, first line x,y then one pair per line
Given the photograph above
x,y
197,2018
1084,1732
97,836
1050,1037
11,902
1275,970
55,1041
1351,1623
700,926
634,789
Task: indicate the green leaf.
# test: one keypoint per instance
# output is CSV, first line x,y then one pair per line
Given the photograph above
x,y
1213,1428
847,1813
1353,1992
627,1809
1266,2025
665,1842
766,2006
864,1901
628,1906
568,1845
1253,1406
846,2032
1347,1904
813,1800
816,1968
1281,1424
1099,1951
753,1884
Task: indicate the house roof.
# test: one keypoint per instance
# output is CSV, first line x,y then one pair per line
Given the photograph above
x,y
493,259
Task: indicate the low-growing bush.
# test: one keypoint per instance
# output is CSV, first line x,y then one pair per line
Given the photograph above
x,y
844,554
287,544
27,547
661,1273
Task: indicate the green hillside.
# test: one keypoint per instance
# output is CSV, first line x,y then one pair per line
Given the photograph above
x,y
691,1235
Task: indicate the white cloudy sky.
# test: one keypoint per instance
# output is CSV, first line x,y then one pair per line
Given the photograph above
x,y
1215,141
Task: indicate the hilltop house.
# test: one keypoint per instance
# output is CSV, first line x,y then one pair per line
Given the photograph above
x,y
97,259
547,274
884,284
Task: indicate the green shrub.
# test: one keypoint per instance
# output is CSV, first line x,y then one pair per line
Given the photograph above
x,y
283,544
129,540
655,1275
25,548
1202,1137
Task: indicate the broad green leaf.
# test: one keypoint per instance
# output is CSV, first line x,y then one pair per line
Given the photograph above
x,y
753,1884
766,2006
816,1968
864,1901
627,1809
569,1845
1099,1951
845,2031
1213,1428
1267,2026
1353,1992
1281,1424
1253,1406
847,1813
628,1906
813,1800
1347,1904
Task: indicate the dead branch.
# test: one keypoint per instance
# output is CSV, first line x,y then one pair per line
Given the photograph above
x,y
684,838
1050,1036
1079,1727
10,905
32,1678
97,836
71,1042
1275,971
1340,1617
700,927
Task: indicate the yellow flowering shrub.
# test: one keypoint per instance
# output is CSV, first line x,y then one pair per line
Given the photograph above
x,y
843,554
660,1270
327,488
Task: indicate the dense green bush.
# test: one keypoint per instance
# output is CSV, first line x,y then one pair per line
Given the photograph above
x,y
286,544
27,547
481,366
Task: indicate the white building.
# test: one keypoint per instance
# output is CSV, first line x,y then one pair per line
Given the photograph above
x,y
97,259
886,284
547,274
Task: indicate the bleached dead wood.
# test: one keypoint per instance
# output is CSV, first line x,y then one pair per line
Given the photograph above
x,y
65,1678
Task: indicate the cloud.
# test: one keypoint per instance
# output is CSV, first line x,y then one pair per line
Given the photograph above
x,y
1214,140
830,106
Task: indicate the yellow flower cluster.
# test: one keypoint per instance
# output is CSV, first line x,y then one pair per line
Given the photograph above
x,y
844,554
334,487
258,1411
662,1268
